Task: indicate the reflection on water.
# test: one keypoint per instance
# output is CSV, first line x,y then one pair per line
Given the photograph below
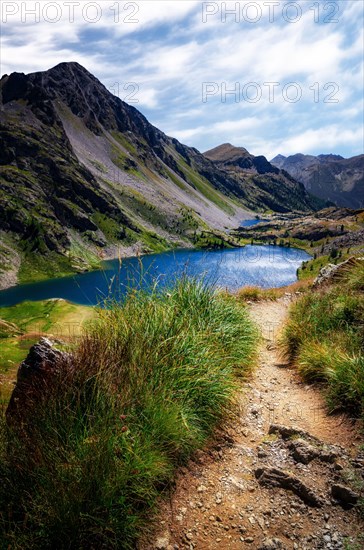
x,y
250,223
264,266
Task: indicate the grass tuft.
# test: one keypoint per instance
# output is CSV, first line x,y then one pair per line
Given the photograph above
x,y
150,380
324,337
257,294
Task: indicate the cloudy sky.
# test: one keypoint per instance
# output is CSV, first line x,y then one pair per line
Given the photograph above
x,y
271,76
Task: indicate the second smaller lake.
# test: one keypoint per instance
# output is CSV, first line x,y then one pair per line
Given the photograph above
x,y
250,223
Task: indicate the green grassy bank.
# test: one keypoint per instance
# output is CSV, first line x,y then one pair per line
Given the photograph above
x,y
22,325
152,377
325,337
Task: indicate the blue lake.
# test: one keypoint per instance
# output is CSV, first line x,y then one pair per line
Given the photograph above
x,y
264,266
250,223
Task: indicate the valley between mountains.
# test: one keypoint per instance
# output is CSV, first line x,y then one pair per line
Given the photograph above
x,y
84,177
181,417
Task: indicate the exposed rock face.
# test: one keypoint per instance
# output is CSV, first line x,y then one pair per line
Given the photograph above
x,y
326,274
334,271
303,452
346,496
274,477
303,446
239,157
289,431
35,377
304,449
42,358
330,177
73,153
263,182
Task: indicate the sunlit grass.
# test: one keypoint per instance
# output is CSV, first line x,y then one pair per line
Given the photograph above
x,y
324,338
257,294
151,378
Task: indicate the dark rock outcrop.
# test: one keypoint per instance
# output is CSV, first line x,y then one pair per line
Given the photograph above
x,y
261,180
331,177
274,477
344,495
35,378
303,452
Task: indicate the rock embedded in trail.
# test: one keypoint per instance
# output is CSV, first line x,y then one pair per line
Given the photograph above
x,y
303,452
262,453
162,543
287,432
303,446
274,477
346,496
272,544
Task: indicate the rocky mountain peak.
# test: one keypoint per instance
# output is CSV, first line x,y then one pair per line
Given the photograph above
x,y
331,177
330,156
81,169
228,155
226,151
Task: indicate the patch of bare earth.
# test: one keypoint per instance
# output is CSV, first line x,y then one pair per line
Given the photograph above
x,y
276,478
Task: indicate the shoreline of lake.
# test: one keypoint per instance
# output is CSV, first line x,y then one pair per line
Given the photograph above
x,y
123,252
267,266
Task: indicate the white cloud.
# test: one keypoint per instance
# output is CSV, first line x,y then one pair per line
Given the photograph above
x,y
26,58
152,12
146,98
228,130
169,60
325,139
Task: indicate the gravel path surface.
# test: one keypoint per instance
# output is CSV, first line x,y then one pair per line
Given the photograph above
x,y
278,476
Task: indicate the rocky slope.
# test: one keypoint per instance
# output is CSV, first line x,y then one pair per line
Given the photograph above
x,y
318,227
82,173
264,185
330,177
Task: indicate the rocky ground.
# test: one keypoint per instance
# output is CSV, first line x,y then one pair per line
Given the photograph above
x,y
283,475
323,231
9,265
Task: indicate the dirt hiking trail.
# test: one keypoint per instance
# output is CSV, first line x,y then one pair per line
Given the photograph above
x,y
280,476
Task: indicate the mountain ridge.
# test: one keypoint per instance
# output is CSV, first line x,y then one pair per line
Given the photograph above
x,y
83,173
260,178
329,176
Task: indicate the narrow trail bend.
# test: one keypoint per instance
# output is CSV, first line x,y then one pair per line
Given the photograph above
x,y
238,493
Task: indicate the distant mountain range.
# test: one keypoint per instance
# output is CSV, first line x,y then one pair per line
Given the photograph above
x,y
330,177
264,185
82,172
